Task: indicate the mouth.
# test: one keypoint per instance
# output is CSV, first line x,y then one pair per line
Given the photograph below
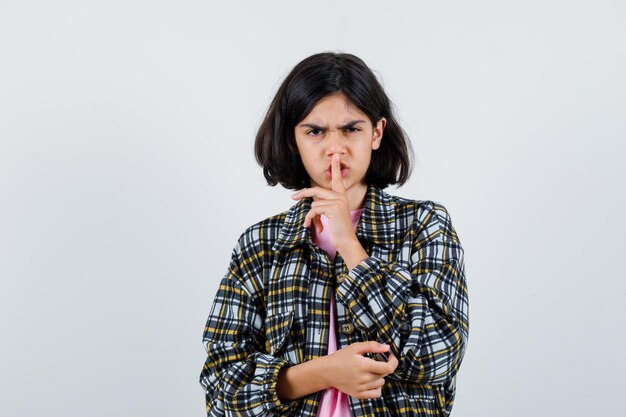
x,y
342,166
343,171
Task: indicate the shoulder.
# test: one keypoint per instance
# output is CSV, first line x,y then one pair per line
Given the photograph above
x,y
252,254
420,210
429,219
260,236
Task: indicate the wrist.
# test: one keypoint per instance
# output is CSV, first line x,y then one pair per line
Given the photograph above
x,y
324,369
304,378
352,253
349,245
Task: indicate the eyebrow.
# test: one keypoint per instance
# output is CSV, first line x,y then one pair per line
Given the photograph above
x,y
345,126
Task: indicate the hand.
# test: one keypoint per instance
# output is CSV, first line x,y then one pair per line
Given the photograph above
x,y
357,375
333,204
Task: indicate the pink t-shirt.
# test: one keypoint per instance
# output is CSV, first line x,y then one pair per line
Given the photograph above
x,y
333,403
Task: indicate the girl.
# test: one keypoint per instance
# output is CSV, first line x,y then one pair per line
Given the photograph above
x,y
353,302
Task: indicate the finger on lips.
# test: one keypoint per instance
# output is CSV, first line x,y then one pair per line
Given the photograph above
x,y
336,182
322,193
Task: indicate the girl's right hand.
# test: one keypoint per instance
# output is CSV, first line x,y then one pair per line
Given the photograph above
x,y
357,375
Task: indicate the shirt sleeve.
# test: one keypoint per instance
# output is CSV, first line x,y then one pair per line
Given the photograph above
x,y
418,307
239,377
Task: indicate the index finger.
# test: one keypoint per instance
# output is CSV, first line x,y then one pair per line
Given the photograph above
x,y
336,183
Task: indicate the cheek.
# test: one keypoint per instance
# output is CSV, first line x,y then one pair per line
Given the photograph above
x,y
309,158
365,156
309,163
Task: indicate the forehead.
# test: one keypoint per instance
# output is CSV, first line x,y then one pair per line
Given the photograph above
x,y
334,107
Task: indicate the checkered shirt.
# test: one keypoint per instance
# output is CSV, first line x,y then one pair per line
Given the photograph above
x,y
272,310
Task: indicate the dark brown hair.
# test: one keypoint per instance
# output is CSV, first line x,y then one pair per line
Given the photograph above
x,y
308,82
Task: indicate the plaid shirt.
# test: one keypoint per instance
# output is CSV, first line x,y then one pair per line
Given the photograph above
x,y
272,310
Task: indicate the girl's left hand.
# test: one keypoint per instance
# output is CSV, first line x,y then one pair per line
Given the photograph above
x,y
334,205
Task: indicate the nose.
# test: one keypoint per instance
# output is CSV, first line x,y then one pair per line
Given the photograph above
x,y
335,142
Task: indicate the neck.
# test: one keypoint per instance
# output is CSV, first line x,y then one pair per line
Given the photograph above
x,y
356,196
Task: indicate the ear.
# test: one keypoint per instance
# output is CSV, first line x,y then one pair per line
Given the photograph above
x,y
378,133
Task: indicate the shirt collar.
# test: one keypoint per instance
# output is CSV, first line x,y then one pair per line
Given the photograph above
x,y
377,222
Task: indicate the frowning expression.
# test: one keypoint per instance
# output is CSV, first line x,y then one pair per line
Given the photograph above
x,y
335,125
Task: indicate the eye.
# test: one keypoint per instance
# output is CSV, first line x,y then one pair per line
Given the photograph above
x,y
352,129
314,132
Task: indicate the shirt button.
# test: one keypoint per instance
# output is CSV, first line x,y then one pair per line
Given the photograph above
x,y
341,278
347,328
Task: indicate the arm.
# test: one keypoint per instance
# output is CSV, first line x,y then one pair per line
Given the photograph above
x,y
239,379
303,379
418,306
346,369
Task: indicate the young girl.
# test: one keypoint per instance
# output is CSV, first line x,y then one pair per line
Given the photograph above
x,y
353,302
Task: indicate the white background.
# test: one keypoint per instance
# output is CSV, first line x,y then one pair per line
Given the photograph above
x,y
127,174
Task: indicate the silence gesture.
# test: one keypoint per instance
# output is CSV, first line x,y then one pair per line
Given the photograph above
x,y
334,205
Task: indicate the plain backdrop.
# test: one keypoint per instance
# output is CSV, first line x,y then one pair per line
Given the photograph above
x,y
127,174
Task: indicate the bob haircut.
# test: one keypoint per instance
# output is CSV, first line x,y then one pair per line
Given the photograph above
x,y
309,81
